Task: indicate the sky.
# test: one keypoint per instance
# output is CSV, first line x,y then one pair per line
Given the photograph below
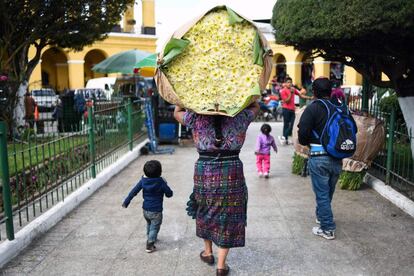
x,y
171,14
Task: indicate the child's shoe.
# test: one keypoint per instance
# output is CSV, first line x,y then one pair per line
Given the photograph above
x,y
266,175
150,247
260,174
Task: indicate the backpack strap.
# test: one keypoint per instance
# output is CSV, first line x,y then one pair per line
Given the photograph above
x,y
343,107
329,115
327,107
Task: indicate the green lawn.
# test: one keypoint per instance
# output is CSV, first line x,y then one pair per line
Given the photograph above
x,y
36,151
31,154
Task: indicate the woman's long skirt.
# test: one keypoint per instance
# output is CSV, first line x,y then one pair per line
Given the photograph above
x,y
221,194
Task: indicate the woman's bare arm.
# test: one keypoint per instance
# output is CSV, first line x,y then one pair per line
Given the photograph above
x,y
179,114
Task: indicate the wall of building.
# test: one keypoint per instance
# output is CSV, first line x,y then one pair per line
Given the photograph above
x,y
66,69
294,60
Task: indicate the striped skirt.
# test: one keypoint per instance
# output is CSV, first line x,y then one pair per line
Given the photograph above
x,y
221,194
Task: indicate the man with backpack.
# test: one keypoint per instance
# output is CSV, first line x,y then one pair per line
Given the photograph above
x,y
327,127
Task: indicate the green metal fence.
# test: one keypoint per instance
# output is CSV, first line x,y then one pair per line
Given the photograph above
x,y
44,164
394,163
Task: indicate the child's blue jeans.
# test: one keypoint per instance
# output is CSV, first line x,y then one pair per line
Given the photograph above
x,y
154,220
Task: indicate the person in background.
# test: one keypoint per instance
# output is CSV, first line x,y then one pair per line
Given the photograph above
x,y
79,106
273,84
57,115
220,191
30,107
338,95
287,95
264,142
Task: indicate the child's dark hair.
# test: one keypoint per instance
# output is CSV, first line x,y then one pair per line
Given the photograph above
x,y
152,169
266,129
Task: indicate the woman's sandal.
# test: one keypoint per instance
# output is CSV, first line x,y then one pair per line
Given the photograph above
x,y
207,259
223,271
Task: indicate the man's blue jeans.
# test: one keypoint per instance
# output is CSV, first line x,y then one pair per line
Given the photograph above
x,y
154,220
324,172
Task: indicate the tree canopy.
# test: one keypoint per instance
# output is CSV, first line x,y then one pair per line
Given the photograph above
x,y
372,36
39,23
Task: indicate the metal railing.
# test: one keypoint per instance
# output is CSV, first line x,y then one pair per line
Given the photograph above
x,y
52,158
394,163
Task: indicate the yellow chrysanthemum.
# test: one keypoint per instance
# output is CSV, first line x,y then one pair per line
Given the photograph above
x,y
217,66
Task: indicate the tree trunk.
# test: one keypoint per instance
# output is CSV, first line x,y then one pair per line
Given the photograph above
x,y
407,108
404,86
19,71
19,110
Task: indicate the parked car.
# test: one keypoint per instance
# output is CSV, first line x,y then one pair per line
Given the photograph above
x,y
96,94
105,83
45,98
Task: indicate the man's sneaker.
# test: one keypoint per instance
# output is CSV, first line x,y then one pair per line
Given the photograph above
x,y
150,247
329,235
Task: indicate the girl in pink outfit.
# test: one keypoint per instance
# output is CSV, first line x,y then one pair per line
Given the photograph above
x,y
263,143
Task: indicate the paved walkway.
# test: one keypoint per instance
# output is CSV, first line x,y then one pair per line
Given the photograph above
x,y
100,238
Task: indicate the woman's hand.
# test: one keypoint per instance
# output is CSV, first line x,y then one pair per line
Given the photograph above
x,y
178,108
254,106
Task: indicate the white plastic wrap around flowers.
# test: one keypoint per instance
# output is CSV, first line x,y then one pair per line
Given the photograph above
x,y
215,64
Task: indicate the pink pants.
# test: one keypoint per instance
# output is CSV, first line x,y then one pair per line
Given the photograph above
x,y
263,163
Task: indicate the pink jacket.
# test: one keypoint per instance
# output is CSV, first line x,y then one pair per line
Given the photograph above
x,y
263,144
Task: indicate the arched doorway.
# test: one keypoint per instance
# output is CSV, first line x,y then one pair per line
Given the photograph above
x,y
54,69
91,58
307,70
280,68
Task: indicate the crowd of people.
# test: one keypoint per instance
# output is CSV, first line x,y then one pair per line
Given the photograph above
x,y
219,198
76,108
279,101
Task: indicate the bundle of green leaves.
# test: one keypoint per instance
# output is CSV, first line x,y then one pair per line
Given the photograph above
x,y
351,180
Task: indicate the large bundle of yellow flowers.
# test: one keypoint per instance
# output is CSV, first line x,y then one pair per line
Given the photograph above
x,y
218,68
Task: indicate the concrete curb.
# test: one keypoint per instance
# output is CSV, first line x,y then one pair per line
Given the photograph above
x,y
401,201
40,225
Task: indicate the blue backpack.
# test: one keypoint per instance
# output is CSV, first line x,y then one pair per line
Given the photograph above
x,y
338,137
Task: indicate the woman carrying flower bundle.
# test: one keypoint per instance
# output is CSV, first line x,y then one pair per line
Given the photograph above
x,y
219,185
